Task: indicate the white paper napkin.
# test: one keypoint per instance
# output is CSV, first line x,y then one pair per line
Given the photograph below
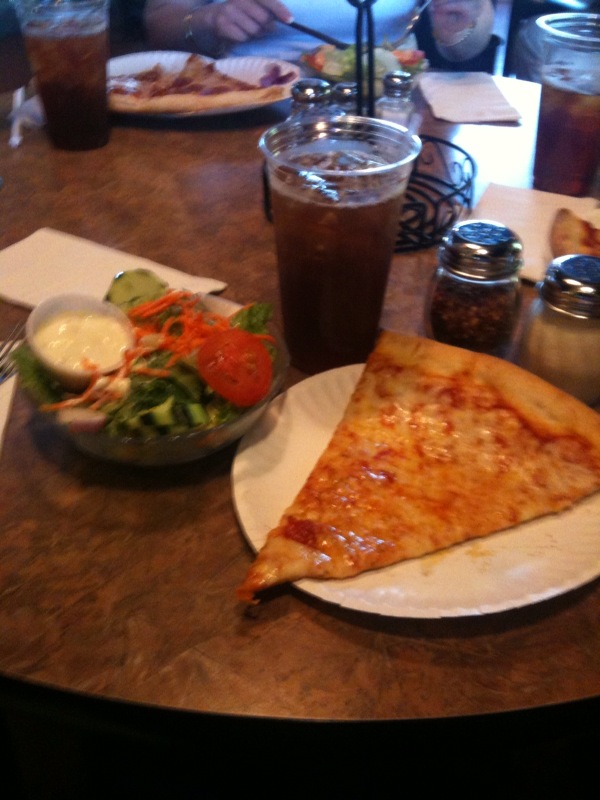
x,y
50,262
6,392
24,114
466,97
529,213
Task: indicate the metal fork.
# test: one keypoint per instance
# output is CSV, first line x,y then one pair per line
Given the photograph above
x,y
7,365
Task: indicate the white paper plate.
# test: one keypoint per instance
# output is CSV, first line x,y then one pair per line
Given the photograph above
x,y
246,68
514,568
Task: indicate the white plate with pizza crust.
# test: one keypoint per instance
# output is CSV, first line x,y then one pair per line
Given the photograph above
x,y
245,68
507,570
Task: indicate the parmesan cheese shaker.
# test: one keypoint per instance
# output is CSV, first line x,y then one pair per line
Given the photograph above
x,y
561,337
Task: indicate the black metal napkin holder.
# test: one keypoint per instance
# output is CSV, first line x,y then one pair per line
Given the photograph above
x,y
439,193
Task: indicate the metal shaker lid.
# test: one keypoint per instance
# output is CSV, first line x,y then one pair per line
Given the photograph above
x,y
481,249
311,91
572,285
397,83
345,92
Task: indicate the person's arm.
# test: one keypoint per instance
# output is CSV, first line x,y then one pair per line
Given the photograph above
x,y
461,28
208,27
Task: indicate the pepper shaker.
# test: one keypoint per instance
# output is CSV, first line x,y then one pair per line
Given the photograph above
x,y
561,335
344,98
475,293
310,97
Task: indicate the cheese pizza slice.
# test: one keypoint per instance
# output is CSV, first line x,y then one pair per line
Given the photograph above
x,y
437,445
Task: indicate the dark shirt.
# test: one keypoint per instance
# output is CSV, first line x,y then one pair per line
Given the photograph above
x,y
8,19
127,16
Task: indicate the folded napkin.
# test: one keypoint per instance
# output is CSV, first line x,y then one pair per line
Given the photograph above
x,y
466,97
50,262
24,114
529,213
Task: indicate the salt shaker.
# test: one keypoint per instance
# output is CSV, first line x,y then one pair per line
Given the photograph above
x,y
561,335
474,297
396,105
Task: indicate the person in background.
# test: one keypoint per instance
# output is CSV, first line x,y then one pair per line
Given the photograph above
x,y
258,27
457,35
14,66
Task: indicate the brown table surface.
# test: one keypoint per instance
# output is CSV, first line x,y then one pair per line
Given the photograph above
x,y
118,582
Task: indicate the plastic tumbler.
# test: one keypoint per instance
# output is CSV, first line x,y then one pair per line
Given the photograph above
x,y
337,187
568,139
67,47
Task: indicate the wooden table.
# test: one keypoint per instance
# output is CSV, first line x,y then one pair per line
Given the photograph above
x,y
117,584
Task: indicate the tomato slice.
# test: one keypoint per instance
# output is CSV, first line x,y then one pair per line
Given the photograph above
x,y
237,365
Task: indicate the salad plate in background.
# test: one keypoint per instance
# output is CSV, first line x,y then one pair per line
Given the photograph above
x,y
336,65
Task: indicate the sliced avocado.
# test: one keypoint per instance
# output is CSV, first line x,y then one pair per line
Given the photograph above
x,y
135,286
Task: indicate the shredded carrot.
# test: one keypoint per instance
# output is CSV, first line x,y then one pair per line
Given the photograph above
x,y
152,372
265,337
152,307
73,401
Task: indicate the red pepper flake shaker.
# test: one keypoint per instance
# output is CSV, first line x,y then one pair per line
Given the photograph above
x,y
475,294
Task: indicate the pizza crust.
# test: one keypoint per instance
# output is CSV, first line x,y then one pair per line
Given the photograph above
x,y
551,410
570,235
193,103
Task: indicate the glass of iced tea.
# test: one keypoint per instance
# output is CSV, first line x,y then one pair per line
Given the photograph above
x,y
568,139
336,188
67,47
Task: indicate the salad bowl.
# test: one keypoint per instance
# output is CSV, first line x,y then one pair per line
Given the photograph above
x,y
165,448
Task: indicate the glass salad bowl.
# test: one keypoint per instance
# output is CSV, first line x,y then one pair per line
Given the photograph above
x,y
167,449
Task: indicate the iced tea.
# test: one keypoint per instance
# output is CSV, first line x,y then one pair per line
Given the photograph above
x,y
68,58
336,189
568,140
333,262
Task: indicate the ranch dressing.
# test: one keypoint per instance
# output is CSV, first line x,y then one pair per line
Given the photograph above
x,y
561,338
82,341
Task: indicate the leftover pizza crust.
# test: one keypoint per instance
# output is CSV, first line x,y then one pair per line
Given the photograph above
x,y
572,235
197,87
438,445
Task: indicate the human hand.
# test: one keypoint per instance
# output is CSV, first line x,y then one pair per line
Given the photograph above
x,y
241,20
